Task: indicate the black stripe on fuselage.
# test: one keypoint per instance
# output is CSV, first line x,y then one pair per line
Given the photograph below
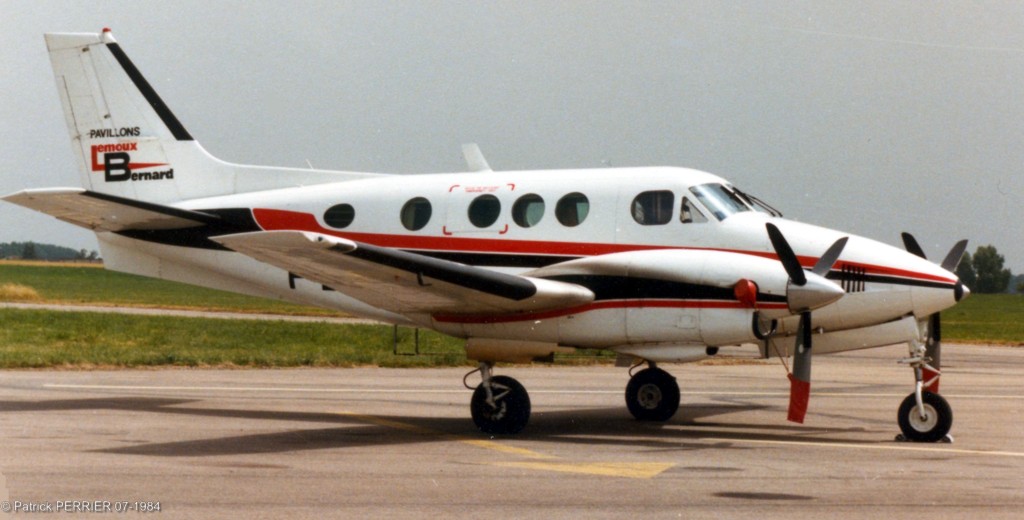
x,y
490,282
516,260
630,288
229,221
892,280
175,126
200,217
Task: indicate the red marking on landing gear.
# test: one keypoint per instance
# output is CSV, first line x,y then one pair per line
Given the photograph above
x,y
930,375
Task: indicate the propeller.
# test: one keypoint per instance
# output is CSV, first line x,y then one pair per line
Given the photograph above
x,y
933,337
806,292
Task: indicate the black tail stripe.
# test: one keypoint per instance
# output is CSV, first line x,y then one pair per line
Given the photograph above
x,y
175,126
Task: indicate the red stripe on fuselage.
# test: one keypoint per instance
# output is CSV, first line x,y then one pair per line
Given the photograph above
x,y
596,306
277,220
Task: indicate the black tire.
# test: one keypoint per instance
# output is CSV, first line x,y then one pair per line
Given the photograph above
x,y
932,429
652,395
511,410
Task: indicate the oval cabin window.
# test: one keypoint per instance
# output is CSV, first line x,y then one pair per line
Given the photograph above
x,y
528,210
572,209
652,208
416,214
340,216
484,210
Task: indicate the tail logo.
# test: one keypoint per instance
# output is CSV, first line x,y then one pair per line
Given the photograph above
x,y
117,165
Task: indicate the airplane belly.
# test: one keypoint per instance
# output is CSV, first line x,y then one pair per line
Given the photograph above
x,y
501,327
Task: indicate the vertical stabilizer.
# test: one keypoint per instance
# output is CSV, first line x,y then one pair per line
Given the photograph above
x,y
127,141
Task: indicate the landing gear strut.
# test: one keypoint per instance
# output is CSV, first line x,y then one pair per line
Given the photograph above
x,y
652,395
500,404
923,416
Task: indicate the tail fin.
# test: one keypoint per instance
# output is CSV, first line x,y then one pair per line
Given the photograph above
x,y
127,141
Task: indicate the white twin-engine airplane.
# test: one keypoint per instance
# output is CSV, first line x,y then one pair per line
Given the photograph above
x,y
655,264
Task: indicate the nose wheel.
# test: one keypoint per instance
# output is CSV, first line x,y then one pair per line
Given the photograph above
x,y
652,395
928,422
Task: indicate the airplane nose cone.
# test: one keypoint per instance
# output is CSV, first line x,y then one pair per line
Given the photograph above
x,y
816,293
961,291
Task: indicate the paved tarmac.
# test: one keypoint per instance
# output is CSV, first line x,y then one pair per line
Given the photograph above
x,y
373,443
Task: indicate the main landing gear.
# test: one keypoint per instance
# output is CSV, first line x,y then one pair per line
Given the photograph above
x,y
924,416
500,404
652,394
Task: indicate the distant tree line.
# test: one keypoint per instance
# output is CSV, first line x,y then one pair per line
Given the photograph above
x,y
983,272
49,252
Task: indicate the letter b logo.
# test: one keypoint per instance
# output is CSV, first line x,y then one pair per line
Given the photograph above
x,y
115,167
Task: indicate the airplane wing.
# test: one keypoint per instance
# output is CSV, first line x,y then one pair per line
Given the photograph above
x,y
102,212
400,281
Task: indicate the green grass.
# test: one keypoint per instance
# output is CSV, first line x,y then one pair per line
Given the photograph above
x,y
94,286
34,339
986,318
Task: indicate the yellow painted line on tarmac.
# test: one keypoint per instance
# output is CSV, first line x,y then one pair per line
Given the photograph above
x,y
605,469
540,462
479,443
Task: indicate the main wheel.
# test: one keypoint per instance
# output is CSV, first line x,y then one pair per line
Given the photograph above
x,y
652,395
937,420
511,409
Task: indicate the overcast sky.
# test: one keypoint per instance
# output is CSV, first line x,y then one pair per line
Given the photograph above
x,y
867,117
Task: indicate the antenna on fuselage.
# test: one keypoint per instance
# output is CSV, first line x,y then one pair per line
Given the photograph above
x,y
475,158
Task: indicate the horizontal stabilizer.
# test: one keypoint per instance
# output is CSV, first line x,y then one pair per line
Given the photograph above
x,y
103,212
401,281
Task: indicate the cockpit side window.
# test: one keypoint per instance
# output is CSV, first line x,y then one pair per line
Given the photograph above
x,y
719,200
690,214
653,208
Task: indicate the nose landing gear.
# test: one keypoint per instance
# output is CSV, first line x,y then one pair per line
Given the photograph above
x,y
923,416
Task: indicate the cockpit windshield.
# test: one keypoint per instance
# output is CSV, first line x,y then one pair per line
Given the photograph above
x,y
724,201
758,204
719,200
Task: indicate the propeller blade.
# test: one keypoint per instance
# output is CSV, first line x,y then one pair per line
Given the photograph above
x,y
954,256
800,379
912,246
828,259
786,255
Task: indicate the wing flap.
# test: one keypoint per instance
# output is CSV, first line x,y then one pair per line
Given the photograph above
x,y
400,281
102,212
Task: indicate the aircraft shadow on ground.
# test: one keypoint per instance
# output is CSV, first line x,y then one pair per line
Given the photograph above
x,y
692,429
